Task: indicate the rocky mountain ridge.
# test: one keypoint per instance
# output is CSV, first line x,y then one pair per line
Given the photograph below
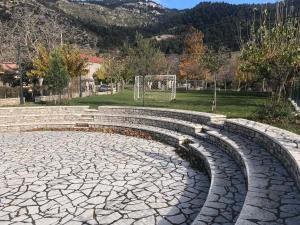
x,y
113,21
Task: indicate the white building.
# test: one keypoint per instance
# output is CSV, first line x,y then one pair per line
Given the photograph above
x,y
94,63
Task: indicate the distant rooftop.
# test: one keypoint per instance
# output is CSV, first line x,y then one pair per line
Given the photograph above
x,y
93,59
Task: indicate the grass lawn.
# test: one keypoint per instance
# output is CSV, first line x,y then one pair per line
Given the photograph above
x,y
232,104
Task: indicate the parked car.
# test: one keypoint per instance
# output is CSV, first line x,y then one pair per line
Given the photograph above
x,y
103,88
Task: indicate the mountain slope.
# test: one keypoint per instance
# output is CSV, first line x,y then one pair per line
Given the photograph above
x,y
124,13
31,22
113,21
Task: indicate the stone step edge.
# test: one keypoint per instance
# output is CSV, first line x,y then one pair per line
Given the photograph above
x,y
287,152
208,117
144,116
197,127
213,208
39,115
253,195
44,107
33,126
173,138
229,146
186,143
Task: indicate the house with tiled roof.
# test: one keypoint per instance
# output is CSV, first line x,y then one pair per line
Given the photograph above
x,y
94,63
7,72
8,68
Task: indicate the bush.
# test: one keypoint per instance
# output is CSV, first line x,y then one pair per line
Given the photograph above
x,y
274,111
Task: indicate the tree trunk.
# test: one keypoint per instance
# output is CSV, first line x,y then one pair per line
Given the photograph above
x,y
289,88
123,85
144,90
280,90
214,107
186,83
41,81
239,85
111,87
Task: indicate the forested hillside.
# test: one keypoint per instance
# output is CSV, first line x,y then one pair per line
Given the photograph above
x,y
108,23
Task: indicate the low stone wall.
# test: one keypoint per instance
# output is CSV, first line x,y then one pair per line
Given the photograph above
x,y
9,101
170,124
28,118
159,136
283,144
195,117
43,110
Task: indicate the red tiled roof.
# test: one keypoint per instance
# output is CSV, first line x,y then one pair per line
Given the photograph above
x,y
93,59
8,66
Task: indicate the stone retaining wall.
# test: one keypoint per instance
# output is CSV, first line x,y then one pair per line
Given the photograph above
x,y
186,128
281,143
195,117
43,110
9,101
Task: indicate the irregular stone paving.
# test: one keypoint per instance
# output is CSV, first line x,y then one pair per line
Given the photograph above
x,y
285,137
272,197
228,187
94,178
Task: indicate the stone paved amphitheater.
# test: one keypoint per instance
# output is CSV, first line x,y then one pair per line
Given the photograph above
x,y
68,177
250,172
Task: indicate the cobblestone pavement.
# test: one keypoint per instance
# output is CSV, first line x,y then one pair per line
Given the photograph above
x,y
94,178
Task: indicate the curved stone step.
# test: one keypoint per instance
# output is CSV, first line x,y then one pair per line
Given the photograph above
x,y
283,144
272,196
192,116
228,187
162,122
34,118
42,110
167,136
33,126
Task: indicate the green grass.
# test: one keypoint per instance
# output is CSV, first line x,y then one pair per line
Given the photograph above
x,y
232,104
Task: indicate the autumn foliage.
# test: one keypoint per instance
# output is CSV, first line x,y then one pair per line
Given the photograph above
x,y
191,65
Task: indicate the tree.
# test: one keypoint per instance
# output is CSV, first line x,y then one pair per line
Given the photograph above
x,y
191,65
227,73
57,77
76,65
273,52
100,74
214,60
143,58
114,71
40,64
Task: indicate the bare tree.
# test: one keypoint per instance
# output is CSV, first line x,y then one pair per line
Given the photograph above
x,y
32,25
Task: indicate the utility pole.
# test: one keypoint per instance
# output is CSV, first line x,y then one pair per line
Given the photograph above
x,y
20,74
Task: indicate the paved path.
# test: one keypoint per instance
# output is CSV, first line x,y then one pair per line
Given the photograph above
x,y
94,178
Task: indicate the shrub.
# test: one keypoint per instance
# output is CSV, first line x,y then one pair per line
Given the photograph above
x,y
274,111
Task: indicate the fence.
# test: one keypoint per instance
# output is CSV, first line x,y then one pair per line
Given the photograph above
x,y
191,85
9,92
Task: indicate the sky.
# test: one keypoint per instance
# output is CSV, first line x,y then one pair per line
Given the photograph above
x,y
183,4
